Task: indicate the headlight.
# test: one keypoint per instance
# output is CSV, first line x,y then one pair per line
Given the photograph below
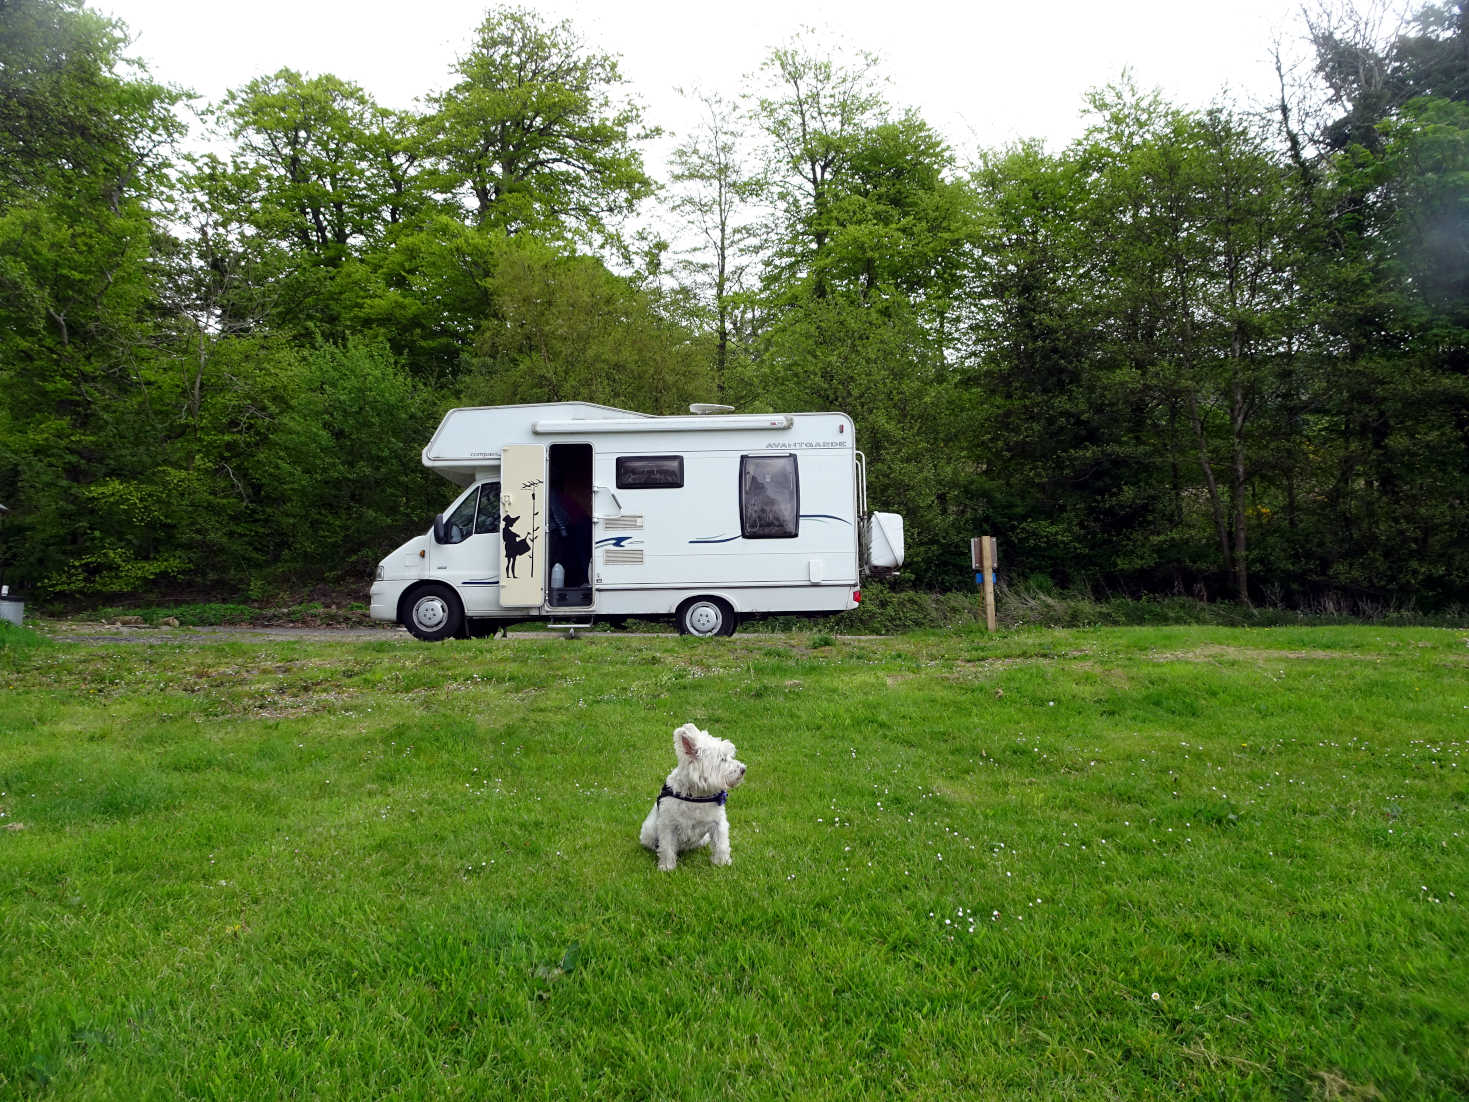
x,y
381,573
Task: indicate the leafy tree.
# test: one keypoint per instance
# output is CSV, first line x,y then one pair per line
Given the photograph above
x,y
1426,155
1371,67
1060,427
82,162
715,196
320,185
333,477
1206,224
1139,327
896,222
816,108
1386,285
307,144
564,328
871,258
533,136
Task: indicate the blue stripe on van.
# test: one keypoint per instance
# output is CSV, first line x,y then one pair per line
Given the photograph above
x,y
804,516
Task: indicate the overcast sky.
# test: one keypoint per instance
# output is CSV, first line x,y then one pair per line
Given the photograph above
x,y
983,73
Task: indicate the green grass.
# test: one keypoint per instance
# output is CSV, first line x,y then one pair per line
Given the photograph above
x,y
1153,862
885,610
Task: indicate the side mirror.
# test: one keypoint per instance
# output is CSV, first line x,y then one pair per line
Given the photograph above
x,y
441,532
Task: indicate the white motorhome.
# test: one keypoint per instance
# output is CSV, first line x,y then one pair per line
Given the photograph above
x,y
574,512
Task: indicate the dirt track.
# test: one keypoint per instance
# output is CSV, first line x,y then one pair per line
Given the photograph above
x,y
74,631
84,632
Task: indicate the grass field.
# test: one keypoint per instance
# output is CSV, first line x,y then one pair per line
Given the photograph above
x,y
1148,862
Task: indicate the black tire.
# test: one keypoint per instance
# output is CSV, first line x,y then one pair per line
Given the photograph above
x,y
705,617
432,613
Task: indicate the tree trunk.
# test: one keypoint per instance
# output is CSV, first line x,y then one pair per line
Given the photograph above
x,y
1238,415
1220,528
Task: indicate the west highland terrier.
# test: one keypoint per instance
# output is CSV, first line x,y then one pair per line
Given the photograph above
x,y
689,812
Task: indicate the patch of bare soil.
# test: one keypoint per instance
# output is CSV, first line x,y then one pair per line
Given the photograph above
x,y
1214,651
79,631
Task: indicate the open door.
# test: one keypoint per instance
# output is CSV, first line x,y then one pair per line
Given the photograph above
x,y
523,494
569,522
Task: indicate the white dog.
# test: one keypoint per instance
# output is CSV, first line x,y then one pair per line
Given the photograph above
x,y
689,812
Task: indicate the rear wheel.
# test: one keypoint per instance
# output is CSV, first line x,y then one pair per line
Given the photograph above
x,y
705,617
432,613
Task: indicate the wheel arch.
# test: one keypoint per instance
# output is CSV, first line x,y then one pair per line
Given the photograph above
x,y
411,593
724,610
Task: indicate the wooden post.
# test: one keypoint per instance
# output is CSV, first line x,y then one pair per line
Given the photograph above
x,y
983,554
987,568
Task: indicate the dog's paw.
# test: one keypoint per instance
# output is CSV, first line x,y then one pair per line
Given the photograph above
x,y
666,866
719,859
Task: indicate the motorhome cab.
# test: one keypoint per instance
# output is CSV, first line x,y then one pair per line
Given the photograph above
x,y
573,512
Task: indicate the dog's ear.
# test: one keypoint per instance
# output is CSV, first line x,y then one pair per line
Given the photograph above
x,y
685,745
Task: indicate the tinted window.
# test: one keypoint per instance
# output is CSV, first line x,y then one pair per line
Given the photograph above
x,y
459,525
464,521
649,472
770,497
488,518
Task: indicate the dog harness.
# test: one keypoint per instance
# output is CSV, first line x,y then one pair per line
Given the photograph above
x,y
716,799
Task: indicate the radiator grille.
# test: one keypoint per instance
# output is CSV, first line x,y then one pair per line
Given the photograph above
x,y
623,523
623,556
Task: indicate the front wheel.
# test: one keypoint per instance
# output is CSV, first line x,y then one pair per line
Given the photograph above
x,y
705,617
433,613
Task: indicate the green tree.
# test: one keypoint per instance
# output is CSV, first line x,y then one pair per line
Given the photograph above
x,y
565,328
1060,427
869,259
1138,330
321,185
897,222
314,151
816,107
716,196
1204,227
534,136
1386,283
83,145
333,477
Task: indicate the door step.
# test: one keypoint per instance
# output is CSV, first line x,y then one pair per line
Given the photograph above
x,y
571,627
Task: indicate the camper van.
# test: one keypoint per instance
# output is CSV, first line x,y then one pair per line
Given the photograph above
x,y
573,512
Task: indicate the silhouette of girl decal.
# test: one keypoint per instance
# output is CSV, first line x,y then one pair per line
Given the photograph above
x,y
515,546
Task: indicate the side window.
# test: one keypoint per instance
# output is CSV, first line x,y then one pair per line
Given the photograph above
x,y
459,524
770,497
649,472
488,519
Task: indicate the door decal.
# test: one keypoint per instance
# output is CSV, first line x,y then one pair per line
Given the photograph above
x,y
522,525
515,545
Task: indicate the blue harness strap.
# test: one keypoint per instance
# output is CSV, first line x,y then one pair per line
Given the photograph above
x,y
717,799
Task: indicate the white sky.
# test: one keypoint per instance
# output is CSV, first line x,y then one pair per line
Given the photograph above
x,y
983,73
